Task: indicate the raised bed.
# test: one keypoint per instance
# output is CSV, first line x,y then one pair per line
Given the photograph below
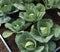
x,y
50,14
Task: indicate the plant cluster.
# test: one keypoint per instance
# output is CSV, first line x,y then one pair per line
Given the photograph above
x,y
42,31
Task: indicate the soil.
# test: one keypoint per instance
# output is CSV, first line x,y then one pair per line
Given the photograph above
x,y
2,46
11,40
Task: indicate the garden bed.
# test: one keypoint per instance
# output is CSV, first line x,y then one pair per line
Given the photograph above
x,y
30,26
11,40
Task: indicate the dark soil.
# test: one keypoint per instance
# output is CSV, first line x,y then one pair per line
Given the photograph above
x,y
2,46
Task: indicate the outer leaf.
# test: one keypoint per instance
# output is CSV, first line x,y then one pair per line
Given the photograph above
x,y
19,6
4,19
39,49
46,49
1,1
1,13
48,4
56,31
7,33
57,4
52,46
49,47
6,8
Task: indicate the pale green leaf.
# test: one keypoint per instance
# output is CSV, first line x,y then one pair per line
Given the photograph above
x,y
7,33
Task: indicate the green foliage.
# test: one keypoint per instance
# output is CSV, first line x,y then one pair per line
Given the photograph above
x,y
5,6
52,4
33,13
4,19
28,43
19,6
50,47
56,32
44,27
17,25
7,33
33,32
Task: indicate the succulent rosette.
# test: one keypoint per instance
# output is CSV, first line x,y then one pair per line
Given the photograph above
x,y
28,44
51,4
7,7
33,13
43,32
16,26
44,27
56,32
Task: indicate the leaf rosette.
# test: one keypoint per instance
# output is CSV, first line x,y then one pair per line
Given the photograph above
x,y
33,13
43,31
44,27
56,32
16,25
52,4
7,7
28,43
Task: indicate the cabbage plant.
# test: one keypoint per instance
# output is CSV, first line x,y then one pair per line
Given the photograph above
x,y
52,4
43,31
33,13
17,25
56,32
44,27
7,7
27,43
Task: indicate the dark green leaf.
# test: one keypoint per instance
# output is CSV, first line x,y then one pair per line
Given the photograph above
x,y
4,19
